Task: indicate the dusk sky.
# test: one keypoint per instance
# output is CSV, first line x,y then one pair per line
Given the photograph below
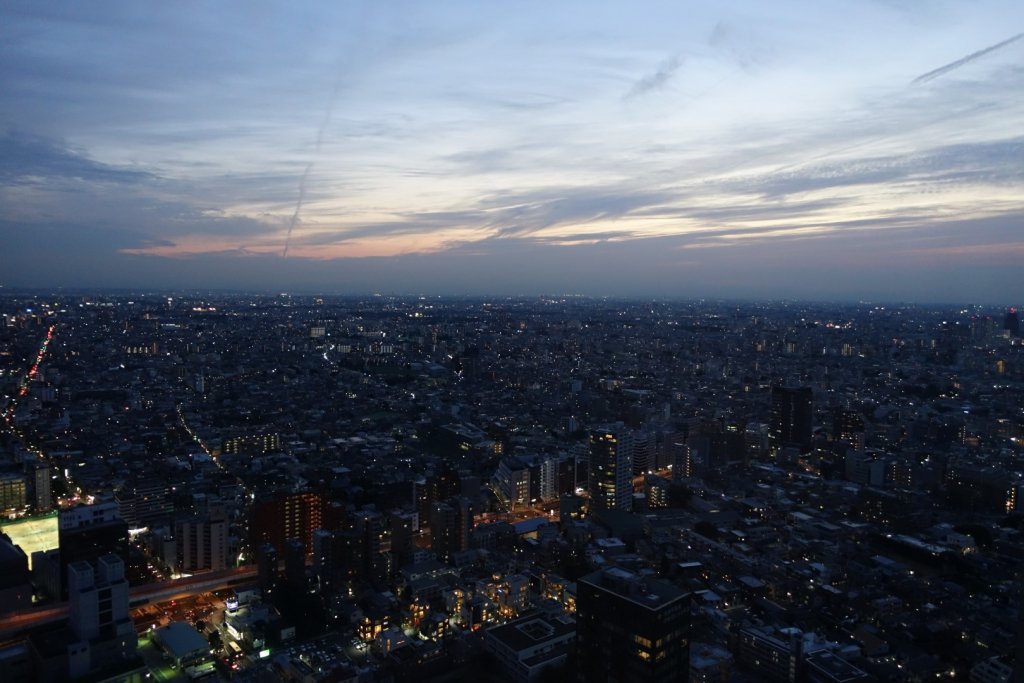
x,y
816,150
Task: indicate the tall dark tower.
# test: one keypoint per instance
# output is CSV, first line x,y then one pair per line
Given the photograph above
x,y
631,628
611,468
450,523
792,419
1011,322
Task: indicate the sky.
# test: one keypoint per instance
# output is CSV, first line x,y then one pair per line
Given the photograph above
x,y
858,150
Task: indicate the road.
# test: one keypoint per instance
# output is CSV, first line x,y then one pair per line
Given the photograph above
x,y
157,592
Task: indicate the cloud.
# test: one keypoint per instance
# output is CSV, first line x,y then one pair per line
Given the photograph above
x,y
657,80
28,158
493,144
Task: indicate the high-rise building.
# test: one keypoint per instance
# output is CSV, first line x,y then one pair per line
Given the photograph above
x,y
848,426
87,532
402,526
792,419
285,515
512,480
450,523
144,503
98,612
368,526
643,453
295,564
611,468
324,558
266,567
631,628
202,544
682,462
43,491
1011,323
15,586
433,489
548,485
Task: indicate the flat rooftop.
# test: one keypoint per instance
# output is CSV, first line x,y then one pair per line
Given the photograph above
x,y
32,535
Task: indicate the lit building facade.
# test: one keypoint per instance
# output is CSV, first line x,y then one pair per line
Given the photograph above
x,y
611,468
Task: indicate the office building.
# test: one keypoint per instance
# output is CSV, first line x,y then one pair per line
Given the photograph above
x,y
631,628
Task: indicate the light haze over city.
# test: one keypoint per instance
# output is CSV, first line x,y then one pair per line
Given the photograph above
x,y
817,150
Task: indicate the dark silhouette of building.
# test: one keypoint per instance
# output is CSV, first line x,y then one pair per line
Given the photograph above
x,y
368,526
435,489
295,564
15,580
1011,322
402,525
324,561
792,419
630,628
266,567
848,426
43,492
450,523
88,532
773,658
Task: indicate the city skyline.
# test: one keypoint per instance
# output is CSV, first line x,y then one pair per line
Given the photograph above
x,y
831,151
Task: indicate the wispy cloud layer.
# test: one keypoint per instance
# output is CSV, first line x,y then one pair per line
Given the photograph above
x,y
722,134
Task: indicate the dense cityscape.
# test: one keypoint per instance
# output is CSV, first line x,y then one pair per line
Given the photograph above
x,y
326,489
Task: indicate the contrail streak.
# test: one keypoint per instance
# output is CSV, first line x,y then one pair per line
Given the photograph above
x,y
942,70
309,167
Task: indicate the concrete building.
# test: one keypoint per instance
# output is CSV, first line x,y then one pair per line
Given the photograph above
x,y
202,544
631,628
525,647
